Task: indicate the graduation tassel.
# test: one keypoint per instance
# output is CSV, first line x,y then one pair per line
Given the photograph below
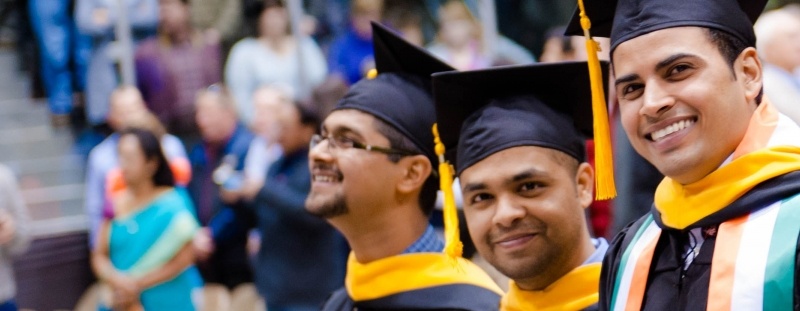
x,y
603,161
452,244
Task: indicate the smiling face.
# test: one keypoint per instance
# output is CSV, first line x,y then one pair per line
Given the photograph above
x,y
682,106
352,182
524,208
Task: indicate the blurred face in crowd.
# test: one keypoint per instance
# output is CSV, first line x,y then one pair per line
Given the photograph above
x,y
683,107
215,119
525,212
124,103
266,103
458,27
345,177
273,22
173,16
293,135
363,12
779,39
136,168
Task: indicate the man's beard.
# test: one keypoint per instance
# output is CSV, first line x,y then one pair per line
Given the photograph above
x,y
336,206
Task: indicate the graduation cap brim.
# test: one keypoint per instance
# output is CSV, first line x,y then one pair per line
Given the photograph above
x,y
400,94
395,55
564,87
638,17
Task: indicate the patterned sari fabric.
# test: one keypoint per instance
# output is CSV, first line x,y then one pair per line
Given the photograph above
x,y
147,239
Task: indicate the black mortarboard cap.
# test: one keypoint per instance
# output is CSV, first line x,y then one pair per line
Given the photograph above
x,y
400,94
486,111
622,20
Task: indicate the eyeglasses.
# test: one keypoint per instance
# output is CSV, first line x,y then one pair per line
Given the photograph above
x,y
342,142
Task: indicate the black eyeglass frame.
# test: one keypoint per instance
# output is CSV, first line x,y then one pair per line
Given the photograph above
x,y
317,139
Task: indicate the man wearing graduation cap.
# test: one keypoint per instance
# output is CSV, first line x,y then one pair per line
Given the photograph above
x,y
723,232
521,158
372,179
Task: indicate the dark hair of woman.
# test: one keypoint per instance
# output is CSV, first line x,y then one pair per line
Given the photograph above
x,y
151,147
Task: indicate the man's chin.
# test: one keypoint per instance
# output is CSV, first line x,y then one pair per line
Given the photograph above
x,y
326,208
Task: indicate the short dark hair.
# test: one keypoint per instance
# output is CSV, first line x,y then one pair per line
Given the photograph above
x,y
730,47
151,147
565,160
309,114
427,196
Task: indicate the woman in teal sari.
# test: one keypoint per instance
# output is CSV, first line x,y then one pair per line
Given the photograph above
x,y
143,252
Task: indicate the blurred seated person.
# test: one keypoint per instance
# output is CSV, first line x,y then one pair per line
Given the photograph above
x,y
218,161
143,253
180,166
174,66
125,103
15,235
459,41
350,56
302,258
275,56
778,33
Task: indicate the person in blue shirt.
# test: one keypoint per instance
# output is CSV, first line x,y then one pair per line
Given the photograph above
x,y
221,243
350,56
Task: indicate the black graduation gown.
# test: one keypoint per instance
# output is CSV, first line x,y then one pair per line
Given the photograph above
x,y
669,287
460,297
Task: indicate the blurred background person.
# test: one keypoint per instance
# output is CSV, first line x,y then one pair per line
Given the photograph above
x,y
64,52
778,34
265,149
221,19
557,47
217,161
273,57
301,259
177,160
350,55
98,18
125,104
14,235
174,66
458,41
144,251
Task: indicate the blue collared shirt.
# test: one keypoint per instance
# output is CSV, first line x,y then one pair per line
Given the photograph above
x,y
429,242
600,248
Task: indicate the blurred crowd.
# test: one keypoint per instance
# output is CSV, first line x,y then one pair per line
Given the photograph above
x,y
207,108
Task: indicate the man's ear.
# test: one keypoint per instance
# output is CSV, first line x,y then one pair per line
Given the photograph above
x,y
751,72
584,184
416,170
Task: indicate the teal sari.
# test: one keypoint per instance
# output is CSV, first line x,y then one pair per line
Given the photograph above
x,y
147,239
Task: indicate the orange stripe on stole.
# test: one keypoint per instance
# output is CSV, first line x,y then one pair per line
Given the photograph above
x,y
762,126
639,278
723,264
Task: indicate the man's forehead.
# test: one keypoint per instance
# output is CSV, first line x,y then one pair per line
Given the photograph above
x,y
350,119
508,164
661,45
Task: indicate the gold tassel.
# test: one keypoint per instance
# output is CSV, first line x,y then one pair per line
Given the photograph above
x,y
603,161
452,244
372,73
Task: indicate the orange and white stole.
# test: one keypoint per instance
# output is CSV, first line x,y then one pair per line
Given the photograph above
x,y
754,258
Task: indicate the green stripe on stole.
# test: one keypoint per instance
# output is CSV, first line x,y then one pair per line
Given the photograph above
x,y
780,270
626,256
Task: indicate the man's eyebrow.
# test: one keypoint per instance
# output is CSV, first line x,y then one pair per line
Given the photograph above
x,y
671,59
661,65
626,79
474,187
531,173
